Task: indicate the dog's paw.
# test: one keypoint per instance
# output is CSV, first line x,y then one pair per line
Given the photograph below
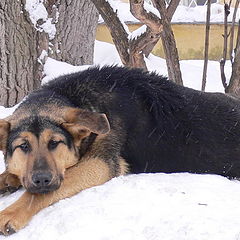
x,y
9,183
10,222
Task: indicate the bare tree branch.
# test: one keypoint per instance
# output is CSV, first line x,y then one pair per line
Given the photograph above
x,y
139,45
170,11
225,36
204,78
154,27
234,83
172,8
161,7
147,18
238,36
232,31
118,33
169,44
133,50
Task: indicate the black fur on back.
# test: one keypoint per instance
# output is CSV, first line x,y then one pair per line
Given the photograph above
x,y
162,126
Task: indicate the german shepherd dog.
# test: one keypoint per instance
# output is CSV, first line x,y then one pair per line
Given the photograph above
x,y
82,129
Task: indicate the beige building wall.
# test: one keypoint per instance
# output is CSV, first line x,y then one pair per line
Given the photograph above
x,y
189,38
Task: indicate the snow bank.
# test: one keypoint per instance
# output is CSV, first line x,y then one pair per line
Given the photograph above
x,y
106,54
54,68
182,14
143,207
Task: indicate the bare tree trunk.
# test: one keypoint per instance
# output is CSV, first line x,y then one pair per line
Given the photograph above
x,y
116,28
19,70
234,83
170,11
169,45
21,44
171,55
133,50
204,78
232,31
141,46
225,36
76,29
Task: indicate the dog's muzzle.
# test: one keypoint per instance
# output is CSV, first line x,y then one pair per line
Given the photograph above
x,y
43,182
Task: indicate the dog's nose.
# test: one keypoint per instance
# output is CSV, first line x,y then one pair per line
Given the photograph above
x,y
41,179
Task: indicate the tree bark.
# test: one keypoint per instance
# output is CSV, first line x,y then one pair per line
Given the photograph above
x,y
232,31
171,55
76,30
133,50
19,70
204,78
116,28
143,45
234,83
169,44
225,41
21,44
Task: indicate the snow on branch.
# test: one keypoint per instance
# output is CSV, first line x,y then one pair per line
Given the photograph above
x,y
148,18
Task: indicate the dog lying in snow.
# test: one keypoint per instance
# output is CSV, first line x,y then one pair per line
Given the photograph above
x,y
81,130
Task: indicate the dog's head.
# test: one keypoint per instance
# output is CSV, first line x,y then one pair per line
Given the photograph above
x,y
38,149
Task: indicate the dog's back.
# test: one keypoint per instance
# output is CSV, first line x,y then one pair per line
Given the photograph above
x,y
160,126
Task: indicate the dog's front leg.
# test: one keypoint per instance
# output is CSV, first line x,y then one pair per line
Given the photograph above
x,y
88,173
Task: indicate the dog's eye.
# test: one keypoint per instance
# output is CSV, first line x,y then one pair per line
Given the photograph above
x,y
25,147
53,144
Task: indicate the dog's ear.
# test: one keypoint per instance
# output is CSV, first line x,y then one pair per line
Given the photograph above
x,y
81,122
4,129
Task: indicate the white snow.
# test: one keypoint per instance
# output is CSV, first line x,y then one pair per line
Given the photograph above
x,y
138,32
157,206
106,54
150,8
54,68
182,14
142,207
37,11
42,56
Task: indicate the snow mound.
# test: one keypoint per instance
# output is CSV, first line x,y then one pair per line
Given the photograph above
x,y
183,14
143,207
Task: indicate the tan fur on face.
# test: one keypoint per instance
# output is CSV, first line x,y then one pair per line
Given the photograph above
x,y
88,173
58,160
62,156
19,161
78,122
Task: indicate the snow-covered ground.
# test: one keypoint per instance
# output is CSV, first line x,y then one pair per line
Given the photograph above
x,y
147,206
142,207
182,14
